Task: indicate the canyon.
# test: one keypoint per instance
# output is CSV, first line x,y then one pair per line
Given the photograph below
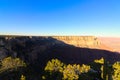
x,y
36,51
91,42
34,46
68,48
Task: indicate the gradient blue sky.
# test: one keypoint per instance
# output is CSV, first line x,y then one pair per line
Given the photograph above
x,y
60,17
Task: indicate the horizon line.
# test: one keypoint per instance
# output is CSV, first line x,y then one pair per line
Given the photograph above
x,y
53,35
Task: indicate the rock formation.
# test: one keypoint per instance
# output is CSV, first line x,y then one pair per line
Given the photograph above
x,y
80,41
31,46
91,42
37,51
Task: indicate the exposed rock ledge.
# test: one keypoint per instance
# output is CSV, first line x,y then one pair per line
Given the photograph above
x,y
80,41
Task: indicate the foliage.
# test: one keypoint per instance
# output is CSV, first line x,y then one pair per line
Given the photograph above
x,y
54,65
22,77
69,72
11,63
53,69
72,72
116,74
57,70
106,69
100,61
60,71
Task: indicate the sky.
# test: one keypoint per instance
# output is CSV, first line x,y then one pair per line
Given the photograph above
x,y
60,17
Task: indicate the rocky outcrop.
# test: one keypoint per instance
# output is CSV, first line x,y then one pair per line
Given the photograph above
x,y
80,41
71,48
91,42
77,41
37,51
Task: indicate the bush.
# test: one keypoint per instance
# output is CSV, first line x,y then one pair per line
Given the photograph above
x,y
11,63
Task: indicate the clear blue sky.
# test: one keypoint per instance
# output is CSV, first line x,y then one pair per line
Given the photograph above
x,y
60,17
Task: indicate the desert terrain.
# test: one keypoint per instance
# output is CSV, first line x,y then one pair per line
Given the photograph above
x,y
112,42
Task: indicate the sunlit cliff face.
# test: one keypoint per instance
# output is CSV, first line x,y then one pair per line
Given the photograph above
x,y
32,48
77,41
80,41
83,41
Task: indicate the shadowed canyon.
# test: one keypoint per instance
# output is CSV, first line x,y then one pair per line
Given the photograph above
x,y
36,51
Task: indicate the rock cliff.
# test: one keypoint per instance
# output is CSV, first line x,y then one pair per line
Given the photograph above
x,y
80,41
91,42
43,42
37,51
30,48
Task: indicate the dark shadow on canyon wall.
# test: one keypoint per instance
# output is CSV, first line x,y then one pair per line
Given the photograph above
x,y
36,51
